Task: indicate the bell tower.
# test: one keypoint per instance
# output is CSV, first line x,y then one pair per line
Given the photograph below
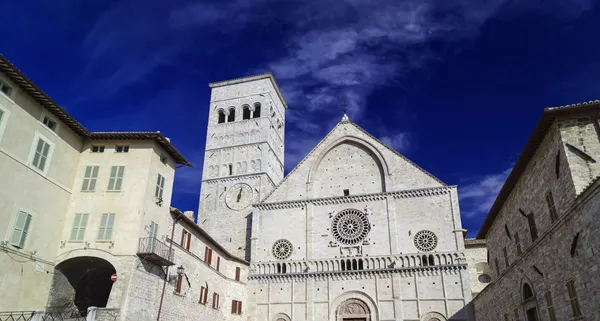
x,y
243,159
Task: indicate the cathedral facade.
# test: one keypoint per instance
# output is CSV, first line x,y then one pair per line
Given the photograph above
x,y
355,232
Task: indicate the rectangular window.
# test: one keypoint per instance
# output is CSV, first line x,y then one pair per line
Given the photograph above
x,y
215,302
6,89
89,178
208,255
518,243
163,158
179,283
497,267
203,295
505,257
550,306
346,192
160,186
116,178
42,152
573,299
237,273
236,307
106,227
218,263
97,149
122,149
186,239
19,233
557,165
532,227
79,224
551,207
49,123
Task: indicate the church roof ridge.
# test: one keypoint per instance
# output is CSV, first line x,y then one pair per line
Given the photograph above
x,y
397,153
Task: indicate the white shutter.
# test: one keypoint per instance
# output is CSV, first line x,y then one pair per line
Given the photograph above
x,y
79,226
160,185
116,178
21,229
106,227
89,178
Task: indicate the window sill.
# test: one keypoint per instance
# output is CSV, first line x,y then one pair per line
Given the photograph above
x,y
104,241
114,191
69,241
179,294
94,191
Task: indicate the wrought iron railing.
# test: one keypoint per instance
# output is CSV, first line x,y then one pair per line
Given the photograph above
x,y
154,250
54,314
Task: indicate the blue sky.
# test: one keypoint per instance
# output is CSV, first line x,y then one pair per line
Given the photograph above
x,y
457,88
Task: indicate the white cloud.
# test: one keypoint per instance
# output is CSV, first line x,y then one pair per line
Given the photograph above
x,y
399,142
477,198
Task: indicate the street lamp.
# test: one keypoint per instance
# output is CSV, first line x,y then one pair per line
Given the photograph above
x,y
180,270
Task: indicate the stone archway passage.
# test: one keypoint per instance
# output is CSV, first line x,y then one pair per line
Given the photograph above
x,y
81,282
353,310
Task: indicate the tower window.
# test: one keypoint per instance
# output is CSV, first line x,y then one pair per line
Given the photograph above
x,y
221,117
246,112
230,169
256,110
231,116
346,192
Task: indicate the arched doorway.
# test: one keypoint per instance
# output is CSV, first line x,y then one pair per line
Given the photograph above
x,y
353,310
81,282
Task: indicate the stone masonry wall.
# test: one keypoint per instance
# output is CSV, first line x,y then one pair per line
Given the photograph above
x,y
551,256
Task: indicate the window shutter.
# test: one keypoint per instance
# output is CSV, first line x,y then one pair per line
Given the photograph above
x,y
111,180
179,279
209,256
75,228
182,238
119,180
237,273
205,295
218,262
93,178
21,228
233,306
189,240
239,310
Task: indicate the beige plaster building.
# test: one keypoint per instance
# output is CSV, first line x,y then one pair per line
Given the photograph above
x,y
75,206
542,231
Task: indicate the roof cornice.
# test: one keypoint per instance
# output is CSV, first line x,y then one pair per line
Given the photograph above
x,y
240,80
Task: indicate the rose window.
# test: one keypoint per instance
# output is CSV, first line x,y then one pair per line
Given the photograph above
x,y
350,226
282,249
425,241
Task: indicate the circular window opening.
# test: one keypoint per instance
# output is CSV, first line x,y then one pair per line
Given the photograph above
x,y
350,226
425,241
282,249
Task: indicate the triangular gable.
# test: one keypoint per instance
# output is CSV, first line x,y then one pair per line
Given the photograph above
x,y
400,173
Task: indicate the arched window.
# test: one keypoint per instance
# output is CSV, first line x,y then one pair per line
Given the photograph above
x,y
527,292
283,268
256,110
431,261
349,265
231,116
354,265
246,112
221,116
360,264
424,260
343,265
278,268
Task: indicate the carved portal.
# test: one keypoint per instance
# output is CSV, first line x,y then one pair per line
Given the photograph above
x,y
353,309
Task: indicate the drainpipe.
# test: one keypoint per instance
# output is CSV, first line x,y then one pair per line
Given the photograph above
x,y
162,295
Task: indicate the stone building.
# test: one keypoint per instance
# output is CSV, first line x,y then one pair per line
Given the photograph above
x,y
355,232
542,230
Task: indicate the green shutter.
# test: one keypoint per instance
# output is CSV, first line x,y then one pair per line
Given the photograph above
x,y
21,228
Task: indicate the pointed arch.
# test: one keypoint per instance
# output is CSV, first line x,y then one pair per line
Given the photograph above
x,y
347,139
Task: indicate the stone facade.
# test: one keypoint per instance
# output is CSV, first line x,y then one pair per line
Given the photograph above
x,y
479,269
243,159
542,231
348,178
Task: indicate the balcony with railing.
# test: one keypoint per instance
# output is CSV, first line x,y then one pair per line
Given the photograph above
x,y
360,264
155,251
